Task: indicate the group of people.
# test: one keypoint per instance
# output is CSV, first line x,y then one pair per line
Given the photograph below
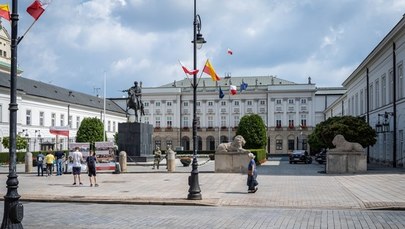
x,y
77,159
50,160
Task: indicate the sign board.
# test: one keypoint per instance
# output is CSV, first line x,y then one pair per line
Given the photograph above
x,y
105,151
84,147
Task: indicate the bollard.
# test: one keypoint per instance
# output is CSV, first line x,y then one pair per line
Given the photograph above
x,y
171,160
117,168
123,161
28,162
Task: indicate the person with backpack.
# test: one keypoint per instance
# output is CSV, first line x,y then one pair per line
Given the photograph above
x,y
40,163
91,167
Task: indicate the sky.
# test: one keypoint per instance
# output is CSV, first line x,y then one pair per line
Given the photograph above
x,y
75,44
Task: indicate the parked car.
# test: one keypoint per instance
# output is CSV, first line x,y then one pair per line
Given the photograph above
x,y
300,156
321,157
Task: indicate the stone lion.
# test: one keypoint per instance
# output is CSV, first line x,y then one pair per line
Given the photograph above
x,y
234,146
344,146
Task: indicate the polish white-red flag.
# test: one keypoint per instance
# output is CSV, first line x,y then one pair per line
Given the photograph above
x,y
232,90
230,52
187,71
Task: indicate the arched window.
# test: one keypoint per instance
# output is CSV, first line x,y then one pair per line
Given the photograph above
x,y
210,143
199,143
185,142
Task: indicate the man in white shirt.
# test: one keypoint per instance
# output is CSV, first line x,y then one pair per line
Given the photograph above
x,y
77,165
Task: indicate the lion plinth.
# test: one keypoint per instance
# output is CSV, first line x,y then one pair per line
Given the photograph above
x,y
342,145
235,146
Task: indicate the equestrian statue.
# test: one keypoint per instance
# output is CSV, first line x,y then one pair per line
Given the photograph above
x,y
134,100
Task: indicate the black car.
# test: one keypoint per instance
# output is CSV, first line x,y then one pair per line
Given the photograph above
x,y
321,157
300,156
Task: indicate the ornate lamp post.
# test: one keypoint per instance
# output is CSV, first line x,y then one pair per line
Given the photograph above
x,y
13,209
194,192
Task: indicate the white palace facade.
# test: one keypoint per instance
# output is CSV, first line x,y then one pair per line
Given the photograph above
x,y
376,91
289,110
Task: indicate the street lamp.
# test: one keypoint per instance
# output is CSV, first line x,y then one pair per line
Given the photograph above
x,y
13,210
194,192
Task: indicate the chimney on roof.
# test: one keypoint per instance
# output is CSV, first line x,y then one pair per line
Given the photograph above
x,y
309,80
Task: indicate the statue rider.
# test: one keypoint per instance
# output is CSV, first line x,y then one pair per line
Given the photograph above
x,y
137,92
135,98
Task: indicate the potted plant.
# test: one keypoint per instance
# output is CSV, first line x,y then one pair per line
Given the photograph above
x,y
186,161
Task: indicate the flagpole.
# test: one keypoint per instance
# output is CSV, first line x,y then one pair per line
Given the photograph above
x,y
20,38
104,132
229,116
219,121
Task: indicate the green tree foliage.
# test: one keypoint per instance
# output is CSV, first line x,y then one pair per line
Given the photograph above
x,y
90,130
116,138
21,142
253,130
354,129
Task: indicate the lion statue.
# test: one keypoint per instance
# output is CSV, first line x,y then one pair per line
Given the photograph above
x,y
344,146
234,146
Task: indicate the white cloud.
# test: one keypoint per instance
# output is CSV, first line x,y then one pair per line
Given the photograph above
x,y
143,39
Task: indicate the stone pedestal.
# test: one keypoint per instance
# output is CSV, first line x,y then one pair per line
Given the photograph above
x,y
346,162
28,162
123,161
231,162
136,140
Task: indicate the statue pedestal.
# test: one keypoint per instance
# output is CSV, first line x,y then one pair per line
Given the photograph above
x,y
136,140
231,162
346,162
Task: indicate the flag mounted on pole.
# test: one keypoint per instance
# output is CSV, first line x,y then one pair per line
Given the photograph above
x,y
35,9
243,86
5,11
232,90
208,69
221,93
187,71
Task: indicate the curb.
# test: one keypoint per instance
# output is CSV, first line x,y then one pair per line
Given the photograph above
x,y
129,201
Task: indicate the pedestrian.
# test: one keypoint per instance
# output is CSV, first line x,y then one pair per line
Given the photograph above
x,y
40,163
91,167
77,165
252,174
158,155
49,158
59,162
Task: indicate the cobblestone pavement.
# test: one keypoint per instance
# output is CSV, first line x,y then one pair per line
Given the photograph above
x,y
281,185
79,215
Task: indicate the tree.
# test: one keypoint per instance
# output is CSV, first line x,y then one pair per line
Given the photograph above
x,y
253,130
90,130
21,143
354,129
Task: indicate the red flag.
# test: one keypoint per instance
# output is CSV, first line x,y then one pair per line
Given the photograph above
x,y
187,71
230,52
232,89
59,130
35,9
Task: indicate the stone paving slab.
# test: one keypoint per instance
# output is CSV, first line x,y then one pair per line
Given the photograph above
x,y
280,185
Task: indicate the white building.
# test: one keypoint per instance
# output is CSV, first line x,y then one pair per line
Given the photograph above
x,y
42,106
289,110
375,90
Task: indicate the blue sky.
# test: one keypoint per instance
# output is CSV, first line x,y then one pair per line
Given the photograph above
x,y
76,42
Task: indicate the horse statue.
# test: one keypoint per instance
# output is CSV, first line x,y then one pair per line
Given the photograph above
x,y
134,101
